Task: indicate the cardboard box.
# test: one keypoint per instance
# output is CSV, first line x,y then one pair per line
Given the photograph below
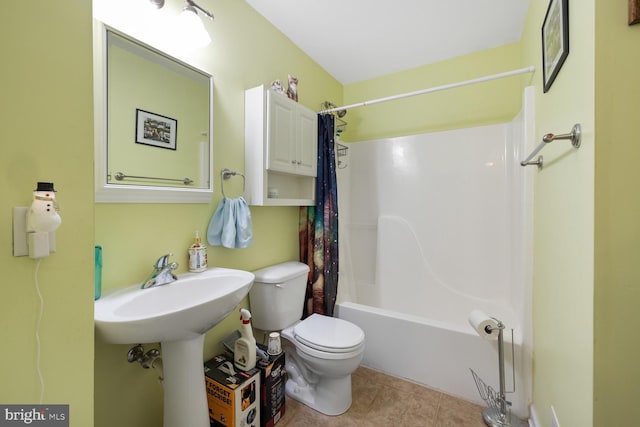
x,y
272,389
234,399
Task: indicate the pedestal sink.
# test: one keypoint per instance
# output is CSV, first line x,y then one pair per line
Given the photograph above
x,y
177,315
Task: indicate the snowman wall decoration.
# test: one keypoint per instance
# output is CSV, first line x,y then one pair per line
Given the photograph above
x,y
42,220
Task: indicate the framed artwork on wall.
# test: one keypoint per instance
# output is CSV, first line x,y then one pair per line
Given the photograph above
x,y
555,40
634,12
156,130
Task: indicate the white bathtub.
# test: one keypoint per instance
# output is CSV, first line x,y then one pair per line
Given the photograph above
x,y
434,226
432,354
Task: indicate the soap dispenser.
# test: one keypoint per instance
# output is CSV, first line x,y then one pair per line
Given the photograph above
x,y
197,255
244,352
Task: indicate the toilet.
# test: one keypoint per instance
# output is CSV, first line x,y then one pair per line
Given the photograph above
x,y
321,351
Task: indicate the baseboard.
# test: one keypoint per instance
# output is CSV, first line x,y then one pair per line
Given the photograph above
x,y
533,419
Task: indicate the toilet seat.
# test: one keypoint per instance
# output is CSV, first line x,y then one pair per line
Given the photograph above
x,y
329,335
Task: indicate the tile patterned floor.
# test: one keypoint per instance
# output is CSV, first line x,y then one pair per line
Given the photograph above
x,y
382,401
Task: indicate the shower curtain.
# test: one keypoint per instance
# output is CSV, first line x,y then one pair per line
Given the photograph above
x,y
319,228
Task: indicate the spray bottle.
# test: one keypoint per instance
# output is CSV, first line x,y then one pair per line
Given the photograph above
x,y
244,353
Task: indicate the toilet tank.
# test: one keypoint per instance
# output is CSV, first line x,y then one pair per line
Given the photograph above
x,y
277,295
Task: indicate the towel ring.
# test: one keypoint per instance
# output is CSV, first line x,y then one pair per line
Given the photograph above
x,y
226,174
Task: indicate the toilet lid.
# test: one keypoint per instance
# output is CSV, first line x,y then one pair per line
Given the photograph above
x,y
328,334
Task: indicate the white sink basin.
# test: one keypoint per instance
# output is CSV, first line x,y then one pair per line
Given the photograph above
x,y
179,310
177,315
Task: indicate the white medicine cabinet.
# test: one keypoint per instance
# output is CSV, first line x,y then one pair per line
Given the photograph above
x,y
281,145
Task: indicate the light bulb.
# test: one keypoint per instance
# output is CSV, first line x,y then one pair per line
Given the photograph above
x,y
192,29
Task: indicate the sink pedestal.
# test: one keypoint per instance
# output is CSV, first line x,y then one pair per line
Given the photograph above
x,y
185,399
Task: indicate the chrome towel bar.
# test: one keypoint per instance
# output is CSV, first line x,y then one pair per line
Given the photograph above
x,y
120,176
574,136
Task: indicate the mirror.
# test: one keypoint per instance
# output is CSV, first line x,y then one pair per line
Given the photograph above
x,y
153,124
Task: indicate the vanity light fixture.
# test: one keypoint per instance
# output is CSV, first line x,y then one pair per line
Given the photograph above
x,y
191,5
159,4
192,26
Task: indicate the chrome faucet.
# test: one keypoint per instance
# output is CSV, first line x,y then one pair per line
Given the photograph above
x,y
162,273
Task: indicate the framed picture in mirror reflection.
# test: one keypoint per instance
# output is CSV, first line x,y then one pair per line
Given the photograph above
x,y
156,130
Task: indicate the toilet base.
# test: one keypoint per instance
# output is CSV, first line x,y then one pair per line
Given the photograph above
x,y
329,396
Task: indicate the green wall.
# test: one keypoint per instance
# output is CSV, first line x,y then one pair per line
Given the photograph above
x,y
246,51
466,106
563,226
47,134
617,229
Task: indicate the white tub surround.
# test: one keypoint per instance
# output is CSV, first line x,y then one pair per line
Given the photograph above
x,y
434,226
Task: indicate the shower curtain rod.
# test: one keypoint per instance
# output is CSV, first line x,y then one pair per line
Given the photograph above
x,y
525,70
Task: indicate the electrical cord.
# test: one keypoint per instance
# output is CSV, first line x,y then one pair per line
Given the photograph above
x,y
38,323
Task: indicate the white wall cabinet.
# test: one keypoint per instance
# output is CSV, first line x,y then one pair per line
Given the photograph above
x,y
292,136
280,150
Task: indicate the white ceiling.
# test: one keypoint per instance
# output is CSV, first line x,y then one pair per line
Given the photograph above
x,y
355,40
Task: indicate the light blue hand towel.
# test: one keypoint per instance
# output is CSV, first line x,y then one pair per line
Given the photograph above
x,y
231,224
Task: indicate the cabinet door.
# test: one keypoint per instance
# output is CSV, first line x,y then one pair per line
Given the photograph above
x,y
307,147
281,134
